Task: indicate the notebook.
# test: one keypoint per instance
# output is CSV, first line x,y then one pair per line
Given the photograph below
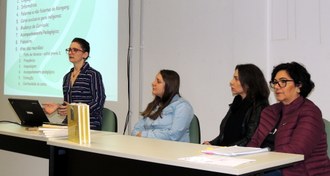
x,y
29,112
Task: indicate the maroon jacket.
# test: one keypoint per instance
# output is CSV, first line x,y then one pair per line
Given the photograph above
x,y
301,131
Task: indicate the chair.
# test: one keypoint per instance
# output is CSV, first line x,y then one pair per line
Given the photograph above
x,y
109,120
327,129
194,131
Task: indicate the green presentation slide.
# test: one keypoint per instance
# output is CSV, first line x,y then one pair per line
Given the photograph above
x,y
39,31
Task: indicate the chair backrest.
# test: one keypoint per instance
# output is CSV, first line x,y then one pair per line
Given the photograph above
x,y
194,131
327,129
109,121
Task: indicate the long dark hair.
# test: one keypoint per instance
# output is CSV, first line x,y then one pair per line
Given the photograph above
x,y
253,82
299,74
172,85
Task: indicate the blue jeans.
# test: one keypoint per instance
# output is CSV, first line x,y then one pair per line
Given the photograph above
x,y
273,173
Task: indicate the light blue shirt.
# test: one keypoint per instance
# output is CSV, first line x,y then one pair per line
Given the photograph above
x,y
173,125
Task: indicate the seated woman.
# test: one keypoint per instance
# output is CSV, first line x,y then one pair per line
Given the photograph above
x,y
294,124
168,116
251,95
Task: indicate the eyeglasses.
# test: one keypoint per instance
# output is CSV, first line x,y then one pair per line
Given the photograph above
x,y
281,83
73,50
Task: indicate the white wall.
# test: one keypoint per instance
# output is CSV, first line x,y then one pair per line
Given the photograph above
x,y
14,164
204,40
300,31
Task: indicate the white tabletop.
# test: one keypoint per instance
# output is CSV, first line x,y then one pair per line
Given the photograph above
x,y
16,130
168,152
153,150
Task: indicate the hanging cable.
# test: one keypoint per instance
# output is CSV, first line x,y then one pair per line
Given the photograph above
x,y
128,68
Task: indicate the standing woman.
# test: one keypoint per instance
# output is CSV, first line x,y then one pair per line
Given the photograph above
x,y
82,84
168,116
294,124
251,95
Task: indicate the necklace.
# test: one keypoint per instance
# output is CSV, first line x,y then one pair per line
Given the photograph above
x,y
75,74
74,77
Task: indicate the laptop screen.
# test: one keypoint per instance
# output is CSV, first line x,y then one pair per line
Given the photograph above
x,y
28,111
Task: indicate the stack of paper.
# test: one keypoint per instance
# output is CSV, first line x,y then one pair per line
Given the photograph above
x,y
234,150
52,131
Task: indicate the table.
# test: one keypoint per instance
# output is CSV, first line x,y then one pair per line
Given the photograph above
x,y
22,150
115,153
15,138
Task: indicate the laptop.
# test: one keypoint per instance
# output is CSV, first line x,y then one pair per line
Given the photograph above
x,y
29,112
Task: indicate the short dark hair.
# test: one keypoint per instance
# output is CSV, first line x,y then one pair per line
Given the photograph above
x,y
83,44
253,81
299,74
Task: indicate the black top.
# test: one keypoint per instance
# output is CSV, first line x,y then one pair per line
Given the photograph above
x,y
233,131
240,122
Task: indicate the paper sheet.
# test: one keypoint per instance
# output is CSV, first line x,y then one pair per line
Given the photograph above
x,y
217,160
234,150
